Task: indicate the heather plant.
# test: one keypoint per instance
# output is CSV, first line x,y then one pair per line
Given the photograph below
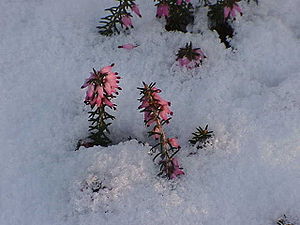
x,y
102,87
178,13
284,221
190,57
157,113
221,14
120,16
201,137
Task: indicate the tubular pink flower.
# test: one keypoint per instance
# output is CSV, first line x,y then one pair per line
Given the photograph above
x,y
165,10
107,69
201,55
136,10
179,2
176,171
99,101
226,11
126,21
128,46
162,10
184,61
237,8
100,91
231,11
88,80
173,142
90,91
158,131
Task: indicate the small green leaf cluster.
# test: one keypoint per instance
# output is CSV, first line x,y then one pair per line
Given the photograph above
x,y
201,137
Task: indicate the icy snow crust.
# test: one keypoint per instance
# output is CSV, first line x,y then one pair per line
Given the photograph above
x,y
250,98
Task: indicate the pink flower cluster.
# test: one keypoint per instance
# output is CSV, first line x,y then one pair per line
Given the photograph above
x,y
194,62
157,111
126,20
231,11
163,10
155,107
102,85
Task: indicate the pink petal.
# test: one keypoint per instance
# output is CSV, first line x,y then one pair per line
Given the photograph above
x,y
128,46
226,11
179,2
237,8
136,10
107,69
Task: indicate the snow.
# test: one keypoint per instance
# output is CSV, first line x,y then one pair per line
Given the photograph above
x,y
249,97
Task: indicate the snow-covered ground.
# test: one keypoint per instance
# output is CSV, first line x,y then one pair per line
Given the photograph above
x,y
250,98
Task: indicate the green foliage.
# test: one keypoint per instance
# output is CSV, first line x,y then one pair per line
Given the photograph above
x,y
188,52
110,24
180,16
98,127
201,137
216,21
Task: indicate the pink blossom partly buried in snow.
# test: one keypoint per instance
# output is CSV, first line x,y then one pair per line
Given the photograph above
x,y
231,11
176,169
126,21
136,10
190,57
128,46
162,10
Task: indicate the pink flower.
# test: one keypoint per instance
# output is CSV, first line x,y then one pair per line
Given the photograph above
x,y
184,61
201,55
108,103
126,21
165,110
90,91
101,85
176,169
107,69
128,46
136,10
162,10
88,80
231,11
173,142
157,131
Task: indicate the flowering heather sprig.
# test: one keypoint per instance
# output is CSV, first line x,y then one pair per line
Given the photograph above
x,y
102,87
219,14
118,15
190,57
201,137
178,13
156,114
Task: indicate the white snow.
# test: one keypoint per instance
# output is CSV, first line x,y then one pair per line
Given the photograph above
x,y
250,98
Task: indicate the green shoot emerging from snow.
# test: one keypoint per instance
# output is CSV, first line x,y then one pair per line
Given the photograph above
x,y
201,137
